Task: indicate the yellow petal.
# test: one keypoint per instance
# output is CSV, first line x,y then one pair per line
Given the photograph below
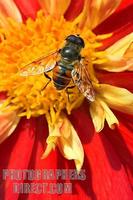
x,y
97,115
109,116
9,9
45,5
129,57
117,98
85,13
3,21
120,55
117,66
48,150
117,50
8,123
100,112
65,137
71,147
55,8
54,133
96,11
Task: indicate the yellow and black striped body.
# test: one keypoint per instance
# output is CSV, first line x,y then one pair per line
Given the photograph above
x,y
62,75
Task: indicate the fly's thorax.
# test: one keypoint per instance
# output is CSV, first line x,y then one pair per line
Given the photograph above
x,y
70,53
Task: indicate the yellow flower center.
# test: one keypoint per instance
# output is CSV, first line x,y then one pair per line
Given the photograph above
x,y
26,42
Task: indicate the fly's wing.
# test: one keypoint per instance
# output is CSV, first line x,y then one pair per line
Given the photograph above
x,y
39,65
81,79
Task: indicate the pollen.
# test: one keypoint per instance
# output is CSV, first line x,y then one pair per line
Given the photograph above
x,y
24,43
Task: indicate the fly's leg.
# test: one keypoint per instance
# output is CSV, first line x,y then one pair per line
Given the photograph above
x,y
48,77
67,91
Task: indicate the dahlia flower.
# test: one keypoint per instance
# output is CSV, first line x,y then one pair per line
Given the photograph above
x,y
40,127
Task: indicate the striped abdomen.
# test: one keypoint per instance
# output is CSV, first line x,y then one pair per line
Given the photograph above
x,y
62,76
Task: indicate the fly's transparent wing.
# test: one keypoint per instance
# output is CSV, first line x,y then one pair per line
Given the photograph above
x,y
39,65
36,69
81,79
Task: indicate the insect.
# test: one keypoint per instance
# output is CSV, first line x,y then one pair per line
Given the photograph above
x,y
68,67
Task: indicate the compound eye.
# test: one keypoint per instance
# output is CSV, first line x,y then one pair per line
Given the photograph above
x,y
80,42
71,38
76,40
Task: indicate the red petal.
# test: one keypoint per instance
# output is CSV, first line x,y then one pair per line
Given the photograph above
x,y
116,20
103,166
2,95
28,8
117,35
122,140
124,4
74,9
15,153
36,163
119,79
120,23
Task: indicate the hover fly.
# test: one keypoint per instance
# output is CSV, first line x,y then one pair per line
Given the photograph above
x,y
68,67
